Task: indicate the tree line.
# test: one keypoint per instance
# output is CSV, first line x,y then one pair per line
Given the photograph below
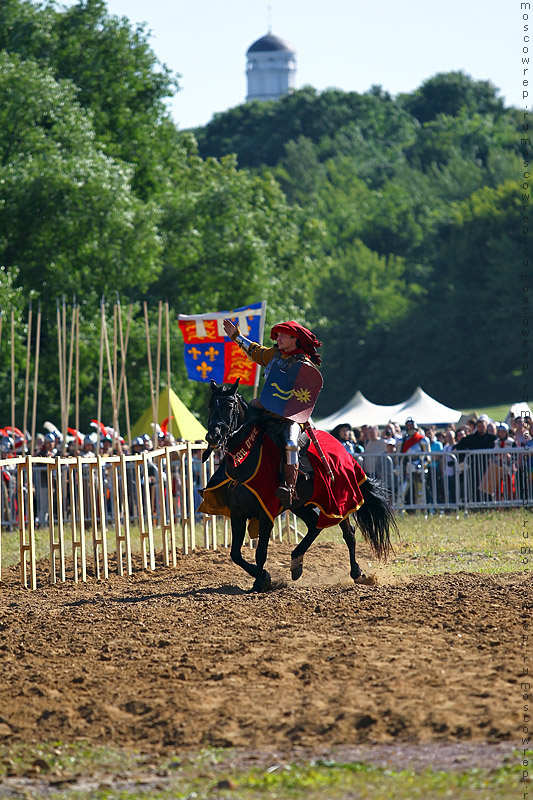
x,y
388,225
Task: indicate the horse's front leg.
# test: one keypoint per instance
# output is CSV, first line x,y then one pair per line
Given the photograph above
x,y
309,516
348,534
263,581
238,531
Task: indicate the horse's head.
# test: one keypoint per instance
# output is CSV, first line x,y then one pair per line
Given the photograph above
x,y
225,414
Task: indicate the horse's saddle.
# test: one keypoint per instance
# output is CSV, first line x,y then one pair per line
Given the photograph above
x,y
273,426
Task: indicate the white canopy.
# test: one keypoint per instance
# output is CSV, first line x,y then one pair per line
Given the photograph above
x,y
427,411
360,411
517,410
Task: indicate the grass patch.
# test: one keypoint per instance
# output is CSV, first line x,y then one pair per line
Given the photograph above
x,y
497,413
486,542
79,772
357,780
11,546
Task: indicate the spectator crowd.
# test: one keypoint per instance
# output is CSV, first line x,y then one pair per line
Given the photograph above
x,y
428,475
421,466
102,440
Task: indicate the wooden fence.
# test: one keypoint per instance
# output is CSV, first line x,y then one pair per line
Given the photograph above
x,y
101,503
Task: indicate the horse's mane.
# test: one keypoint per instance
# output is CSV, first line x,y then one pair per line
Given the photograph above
x,y
251,413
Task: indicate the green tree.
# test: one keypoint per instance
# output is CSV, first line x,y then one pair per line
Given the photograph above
x,y
365,294
117,76
230,237
13,301
69,220
473,136
462,341
300,172
258,133
475,285
451,93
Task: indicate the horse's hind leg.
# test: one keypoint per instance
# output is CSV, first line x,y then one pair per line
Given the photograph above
x,y
309,516
348,534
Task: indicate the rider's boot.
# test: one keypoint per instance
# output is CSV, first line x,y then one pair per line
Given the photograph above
x,y
287,491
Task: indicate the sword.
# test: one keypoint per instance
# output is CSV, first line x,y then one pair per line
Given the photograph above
x,y
312,435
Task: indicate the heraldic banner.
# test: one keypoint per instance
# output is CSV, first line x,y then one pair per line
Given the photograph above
x,y
211,355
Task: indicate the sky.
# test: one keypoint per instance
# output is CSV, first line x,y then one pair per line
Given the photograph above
x,y
346,44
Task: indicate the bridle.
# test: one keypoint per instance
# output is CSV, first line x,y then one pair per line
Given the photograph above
x,y
226,427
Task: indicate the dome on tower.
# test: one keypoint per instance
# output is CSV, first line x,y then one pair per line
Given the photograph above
x,y
270,68
269,43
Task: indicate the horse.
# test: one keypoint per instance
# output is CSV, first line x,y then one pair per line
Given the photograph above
x,y
244,485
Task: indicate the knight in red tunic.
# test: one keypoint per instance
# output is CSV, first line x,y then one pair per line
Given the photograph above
x,y
290,381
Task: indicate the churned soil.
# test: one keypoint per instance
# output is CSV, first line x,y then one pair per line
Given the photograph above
x,y
186,658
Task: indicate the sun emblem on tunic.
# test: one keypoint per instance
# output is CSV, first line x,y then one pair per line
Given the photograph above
x,y
302,395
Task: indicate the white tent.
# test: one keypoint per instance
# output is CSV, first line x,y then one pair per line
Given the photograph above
x,y
360,411
427,411
518,410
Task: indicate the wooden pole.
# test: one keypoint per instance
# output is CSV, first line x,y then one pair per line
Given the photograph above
x,y
13,377
100,372
126,397
122,354
69,380
115,378
169,408
261,335
36,377
77,396
110,371
150,371
65,411
27,380
158,366
61,364
123,378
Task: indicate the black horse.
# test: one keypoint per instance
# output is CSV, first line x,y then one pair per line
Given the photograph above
x,y
237,429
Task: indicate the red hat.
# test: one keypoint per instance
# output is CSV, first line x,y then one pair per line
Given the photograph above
x,y
309,344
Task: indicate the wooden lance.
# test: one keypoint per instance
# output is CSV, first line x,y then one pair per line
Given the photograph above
x,y
312,435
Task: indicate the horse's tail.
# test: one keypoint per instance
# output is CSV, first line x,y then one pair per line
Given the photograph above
x,y
375,518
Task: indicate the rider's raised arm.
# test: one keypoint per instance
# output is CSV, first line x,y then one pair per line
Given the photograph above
x,y
255,351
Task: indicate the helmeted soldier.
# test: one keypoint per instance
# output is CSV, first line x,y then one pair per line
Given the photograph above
x,y
295,347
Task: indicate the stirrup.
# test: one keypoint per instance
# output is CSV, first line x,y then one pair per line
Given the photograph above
x,y
286,495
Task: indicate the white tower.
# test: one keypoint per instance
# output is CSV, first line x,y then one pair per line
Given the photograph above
x,y
270,68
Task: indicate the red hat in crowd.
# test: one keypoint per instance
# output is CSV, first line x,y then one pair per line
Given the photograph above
x,y
308,343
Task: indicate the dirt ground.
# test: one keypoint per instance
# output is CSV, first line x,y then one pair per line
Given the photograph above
x,y
188,658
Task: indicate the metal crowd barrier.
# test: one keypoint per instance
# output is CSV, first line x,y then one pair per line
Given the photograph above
x,y
88,502
455,480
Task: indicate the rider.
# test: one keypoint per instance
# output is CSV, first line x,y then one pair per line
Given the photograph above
x,y
293,341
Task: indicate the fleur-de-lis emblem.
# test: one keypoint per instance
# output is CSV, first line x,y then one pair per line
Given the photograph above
x,y
195,352
212,353
204,369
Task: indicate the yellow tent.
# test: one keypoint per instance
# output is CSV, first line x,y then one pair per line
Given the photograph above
x,y
184,425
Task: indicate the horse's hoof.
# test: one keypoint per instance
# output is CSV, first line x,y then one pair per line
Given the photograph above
x,y
297,567
263,583
366,580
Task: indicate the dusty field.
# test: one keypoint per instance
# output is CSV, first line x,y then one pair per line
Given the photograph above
x,y
188,658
